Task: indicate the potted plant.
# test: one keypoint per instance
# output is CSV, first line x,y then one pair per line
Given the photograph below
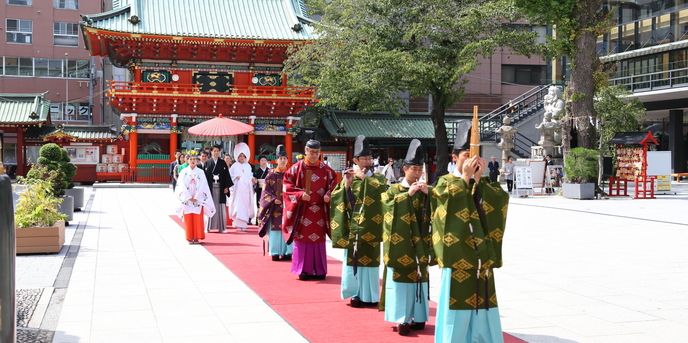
x,y
40,228
70,169
580,173
54,158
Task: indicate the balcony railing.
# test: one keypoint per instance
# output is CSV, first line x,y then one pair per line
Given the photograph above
x,y
653,81
194,90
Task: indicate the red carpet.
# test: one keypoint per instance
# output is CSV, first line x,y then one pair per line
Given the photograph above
x,y
313,308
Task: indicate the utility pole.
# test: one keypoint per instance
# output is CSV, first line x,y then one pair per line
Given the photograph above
x,y
66,108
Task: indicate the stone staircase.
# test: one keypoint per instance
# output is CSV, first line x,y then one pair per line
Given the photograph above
x,y
522,110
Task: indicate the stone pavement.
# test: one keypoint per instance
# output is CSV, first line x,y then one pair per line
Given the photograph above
x,y
574,271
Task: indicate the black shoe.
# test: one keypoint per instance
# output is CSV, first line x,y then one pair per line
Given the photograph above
x,y
404,329
286,258
304,276
366,304
418,326
275,257
318,277
355,302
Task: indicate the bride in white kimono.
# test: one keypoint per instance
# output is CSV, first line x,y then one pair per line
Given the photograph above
x,y
241,203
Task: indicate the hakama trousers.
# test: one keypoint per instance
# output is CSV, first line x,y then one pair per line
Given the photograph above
x,y
402,302
309,258
193,225
278,247
458,326
365,285
217,222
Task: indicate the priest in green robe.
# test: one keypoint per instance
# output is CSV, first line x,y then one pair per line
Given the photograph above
x,y
468,227
407,246
356,222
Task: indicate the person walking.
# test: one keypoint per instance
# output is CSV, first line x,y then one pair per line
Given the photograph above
x,y
241,205
407,246
356,207
493,166
195,200
173,169
509,173
388,171
217,174
272,209
259,174
308,185
469,217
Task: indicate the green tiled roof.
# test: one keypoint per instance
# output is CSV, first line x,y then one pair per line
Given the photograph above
x,y
228,19
80,132
348,124
16,108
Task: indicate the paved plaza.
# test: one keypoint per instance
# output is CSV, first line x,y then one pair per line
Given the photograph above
x,y
574,271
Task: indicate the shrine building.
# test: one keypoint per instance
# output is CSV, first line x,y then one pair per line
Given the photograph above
x,y
190,61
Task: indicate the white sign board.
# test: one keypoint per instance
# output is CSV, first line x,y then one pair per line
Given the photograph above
x,y
658,163
538,172
523,177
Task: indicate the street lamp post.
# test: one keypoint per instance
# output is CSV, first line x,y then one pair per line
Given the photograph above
x,y
66,108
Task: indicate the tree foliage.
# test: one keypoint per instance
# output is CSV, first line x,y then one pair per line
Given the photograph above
x,y
370,51
54,158
617,111
581,165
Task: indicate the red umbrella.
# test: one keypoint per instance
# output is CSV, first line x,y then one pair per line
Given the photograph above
x,y
218,127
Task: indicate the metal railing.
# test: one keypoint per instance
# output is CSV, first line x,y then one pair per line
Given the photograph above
x,y
522,107
655,80
522,145
146,175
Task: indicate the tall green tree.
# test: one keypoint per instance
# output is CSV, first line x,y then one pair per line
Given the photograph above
x,y
577,24
370,51
617,111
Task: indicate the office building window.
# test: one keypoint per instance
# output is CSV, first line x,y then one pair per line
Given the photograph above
x,y
18,66
19,31
45,67
66,4
523,74
19,2
49,67
66,34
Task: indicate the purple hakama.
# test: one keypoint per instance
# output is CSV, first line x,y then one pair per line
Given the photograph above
x,y
309,258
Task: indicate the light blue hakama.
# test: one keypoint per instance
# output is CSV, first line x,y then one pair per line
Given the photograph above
x,y
465,326
401,302
365,285
277,244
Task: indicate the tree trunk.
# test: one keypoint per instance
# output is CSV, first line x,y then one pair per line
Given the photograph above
x,y
582,87
441,141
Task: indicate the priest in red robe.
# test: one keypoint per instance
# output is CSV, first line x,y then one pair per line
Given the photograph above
x,y
308,185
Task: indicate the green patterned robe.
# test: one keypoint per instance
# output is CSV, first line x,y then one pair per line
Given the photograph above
x,y
407,244
363,223
455,246
404,240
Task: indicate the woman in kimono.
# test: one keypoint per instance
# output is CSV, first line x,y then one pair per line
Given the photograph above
x,y
272,209
195,199
241,203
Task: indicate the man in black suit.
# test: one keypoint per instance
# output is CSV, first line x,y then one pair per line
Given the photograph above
x,y
217,174
260,173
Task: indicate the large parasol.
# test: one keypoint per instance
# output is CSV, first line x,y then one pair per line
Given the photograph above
x,y
219,127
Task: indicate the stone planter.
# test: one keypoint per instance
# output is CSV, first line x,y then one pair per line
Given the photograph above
x,y
78,194
67,207
31,240
578,190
